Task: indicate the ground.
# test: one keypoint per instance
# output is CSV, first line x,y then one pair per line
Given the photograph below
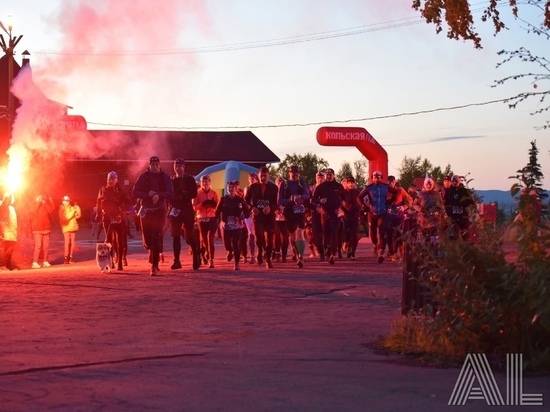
x,y
284,339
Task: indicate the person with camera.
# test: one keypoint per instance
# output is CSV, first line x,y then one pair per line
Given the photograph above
x,y
68,219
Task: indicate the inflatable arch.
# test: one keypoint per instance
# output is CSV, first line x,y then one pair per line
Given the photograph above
x,y
224,172
362,140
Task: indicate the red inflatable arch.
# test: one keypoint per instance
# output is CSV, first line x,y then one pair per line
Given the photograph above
x,y
360,138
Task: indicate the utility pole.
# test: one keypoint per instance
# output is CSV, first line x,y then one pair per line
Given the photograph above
x,y
8,48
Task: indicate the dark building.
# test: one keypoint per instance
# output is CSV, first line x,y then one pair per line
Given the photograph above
x,y
130,156
6,113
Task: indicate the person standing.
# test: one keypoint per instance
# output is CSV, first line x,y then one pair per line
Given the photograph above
x,y
205,205
68,215
293,193
232,209
155,189
182,215
8,222
327,199
112,203
262,198
42,207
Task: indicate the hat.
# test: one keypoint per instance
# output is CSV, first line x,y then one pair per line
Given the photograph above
x,y
154,159
350,179
294,169
179,161
455,178
320,174
329,170
377,173
66,198
112,175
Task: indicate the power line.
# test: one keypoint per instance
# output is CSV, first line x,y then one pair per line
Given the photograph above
x,y
351,31
364,119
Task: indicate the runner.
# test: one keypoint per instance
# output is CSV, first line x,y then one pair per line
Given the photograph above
x,y
262,198
293,192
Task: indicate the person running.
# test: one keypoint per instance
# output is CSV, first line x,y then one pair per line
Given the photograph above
x,y
327,199
316,226
112,203
351,212
399,201
262,198
231,210
374,197
205,205
293,193
431,211
281,241
154,188
182,214
249,226
458,200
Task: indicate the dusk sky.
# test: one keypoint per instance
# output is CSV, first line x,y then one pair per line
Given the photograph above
x,y
271,66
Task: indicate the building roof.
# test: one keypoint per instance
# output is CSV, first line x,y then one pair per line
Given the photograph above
x,y
242,146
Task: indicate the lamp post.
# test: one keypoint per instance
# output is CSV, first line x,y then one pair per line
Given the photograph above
x,y
8,48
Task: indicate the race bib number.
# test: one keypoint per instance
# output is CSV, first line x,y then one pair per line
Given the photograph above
x,y
115,220
262,203
204,219
233,221
458,210
297,209
174,212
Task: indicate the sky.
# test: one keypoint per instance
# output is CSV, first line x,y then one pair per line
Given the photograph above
x,y
271,67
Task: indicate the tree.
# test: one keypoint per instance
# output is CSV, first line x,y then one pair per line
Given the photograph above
x,y
412,168
345,171
535,77
361,171
309,165
458,16
530,177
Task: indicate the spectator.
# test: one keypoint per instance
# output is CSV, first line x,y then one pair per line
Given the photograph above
x,y
41,227
68,215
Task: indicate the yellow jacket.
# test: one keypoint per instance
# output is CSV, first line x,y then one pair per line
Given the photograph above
x,y
68,216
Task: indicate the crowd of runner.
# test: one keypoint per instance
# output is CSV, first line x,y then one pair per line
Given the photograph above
x,y
270,220
278,220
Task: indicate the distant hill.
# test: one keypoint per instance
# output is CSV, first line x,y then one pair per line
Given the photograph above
x,y
503,197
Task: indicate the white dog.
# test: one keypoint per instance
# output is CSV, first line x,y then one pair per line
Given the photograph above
x,y
103,257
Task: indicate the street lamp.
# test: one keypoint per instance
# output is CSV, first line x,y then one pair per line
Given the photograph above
x,y
8,49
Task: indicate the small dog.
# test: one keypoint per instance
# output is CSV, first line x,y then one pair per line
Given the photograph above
x,y
103,257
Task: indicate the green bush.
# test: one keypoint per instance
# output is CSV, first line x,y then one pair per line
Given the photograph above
x,y
480,300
